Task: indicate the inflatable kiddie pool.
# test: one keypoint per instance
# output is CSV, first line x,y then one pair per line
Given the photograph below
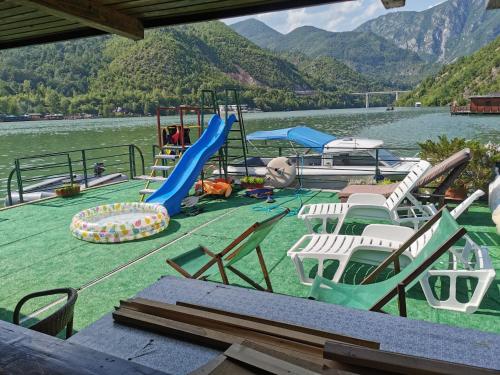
x,y
119,222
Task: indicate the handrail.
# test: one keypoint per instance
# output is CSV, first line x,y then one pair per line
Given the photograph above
x,y
71,165
9,181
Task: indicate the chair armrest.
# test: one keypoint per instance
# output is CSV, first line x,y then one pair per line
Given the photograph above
x,y
367,198
388,232
72,295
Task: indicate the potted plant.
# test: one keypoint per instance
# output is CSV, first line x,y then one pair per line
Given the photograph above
x,y
68,190
252,182
478,173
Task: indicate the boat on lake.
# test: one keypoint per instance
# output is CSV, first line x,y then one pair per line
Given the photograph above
x,y
322,160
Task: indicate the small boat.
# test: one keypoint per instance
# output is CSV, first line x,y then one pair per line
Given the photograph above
x,y
324,161
418,104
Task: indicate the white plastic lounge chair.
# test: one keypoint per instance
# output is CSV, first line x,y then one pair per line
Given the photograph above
x,y
382,237
373,206
469,262
473,259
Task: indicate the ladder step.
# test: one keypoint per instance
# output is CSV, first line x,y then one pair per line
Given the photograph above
x,y
161,167
146,191
172,147
150,178
167,157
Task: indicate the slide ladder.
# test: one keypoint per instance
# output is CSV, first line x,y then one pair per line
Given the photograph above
x,y
173,141
235,149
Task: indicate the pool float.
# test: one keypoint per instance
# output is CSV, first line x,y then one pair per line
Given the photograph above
x,y
119,222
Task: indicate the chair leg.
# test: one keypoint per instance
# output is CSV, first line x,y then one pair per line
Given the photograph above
x,y
222,271
264,269
402,300
245,278
69,329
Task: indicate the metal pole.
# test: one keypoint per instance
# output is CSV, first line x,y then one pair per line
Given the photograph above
x,y
377,170
70,169
19,180
132,148
9,186
158,127
84,163
130,161
367,104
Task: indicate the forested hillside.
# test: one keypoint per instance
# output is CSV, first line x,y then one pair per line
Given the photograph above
x,y
170,66
473,75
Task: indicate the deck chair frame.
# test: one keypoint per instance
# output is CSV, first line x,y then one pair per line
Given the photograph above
x,y
399,290
229,253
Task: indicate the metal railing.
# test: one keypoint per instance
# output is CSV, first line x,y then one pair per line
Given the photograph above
x,y
62,166
352,162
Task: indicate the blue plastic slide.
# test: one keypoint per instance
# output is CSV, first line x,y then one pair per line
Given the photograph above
x,y
189,167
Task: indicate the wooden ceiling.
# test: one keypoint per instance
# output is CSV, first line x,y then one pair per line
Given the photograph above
x,y
25,22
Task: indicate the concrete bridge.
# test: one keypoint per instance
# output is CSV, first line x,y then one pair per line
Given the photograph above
x,y
368,93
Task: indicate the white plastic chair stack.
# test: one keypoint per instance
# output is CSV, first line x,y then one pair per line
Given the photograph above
x,y
379,239
373,206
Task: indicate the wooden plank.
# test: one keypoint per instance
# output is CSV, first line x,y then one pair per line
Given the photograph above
x,y
183,331
205,334
311,331
36,33
15,31
91,13
265,362
23,351
397,362
282,330
30,19
223,365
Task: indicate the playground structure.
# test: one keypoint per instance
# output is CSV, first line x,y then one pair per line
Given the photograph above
x,y
174,141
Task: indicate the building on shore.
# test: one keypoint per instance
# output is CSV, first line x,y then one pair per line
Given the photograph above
x,y
479,105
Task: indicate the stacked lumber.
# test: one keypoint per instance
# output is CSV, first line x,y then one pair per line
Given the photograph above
x,y
253,345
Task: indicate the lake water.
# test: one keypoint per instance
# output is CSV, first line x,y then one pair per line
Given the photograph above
x,y
403,127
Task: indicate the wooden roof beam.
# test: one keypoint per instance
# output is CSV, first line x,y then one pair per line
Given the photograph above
x,y
90,13
388,4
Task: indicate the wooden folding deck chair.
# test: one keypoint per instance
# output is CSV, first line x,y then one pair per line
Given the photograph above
x,y
200,263
374,296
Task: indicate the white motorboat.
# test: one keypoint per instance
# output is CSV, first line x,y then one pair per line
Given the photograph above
x,y
324,161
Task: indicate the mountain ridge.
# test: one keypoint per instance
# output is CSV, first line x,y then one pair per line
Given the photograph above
x,y
364,52
443,33
169,67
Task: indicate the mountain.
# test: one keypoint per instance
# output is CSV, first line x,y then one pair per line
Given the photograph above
x,y
442,33
365,52
258,32
169,67
472,75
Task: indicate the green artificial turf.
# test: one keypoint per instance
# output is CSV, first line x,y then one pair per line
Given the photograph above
x,y
39,253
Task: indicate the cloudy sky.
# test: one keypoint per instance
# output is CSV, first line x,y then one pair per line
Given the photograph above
x,y
334,17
